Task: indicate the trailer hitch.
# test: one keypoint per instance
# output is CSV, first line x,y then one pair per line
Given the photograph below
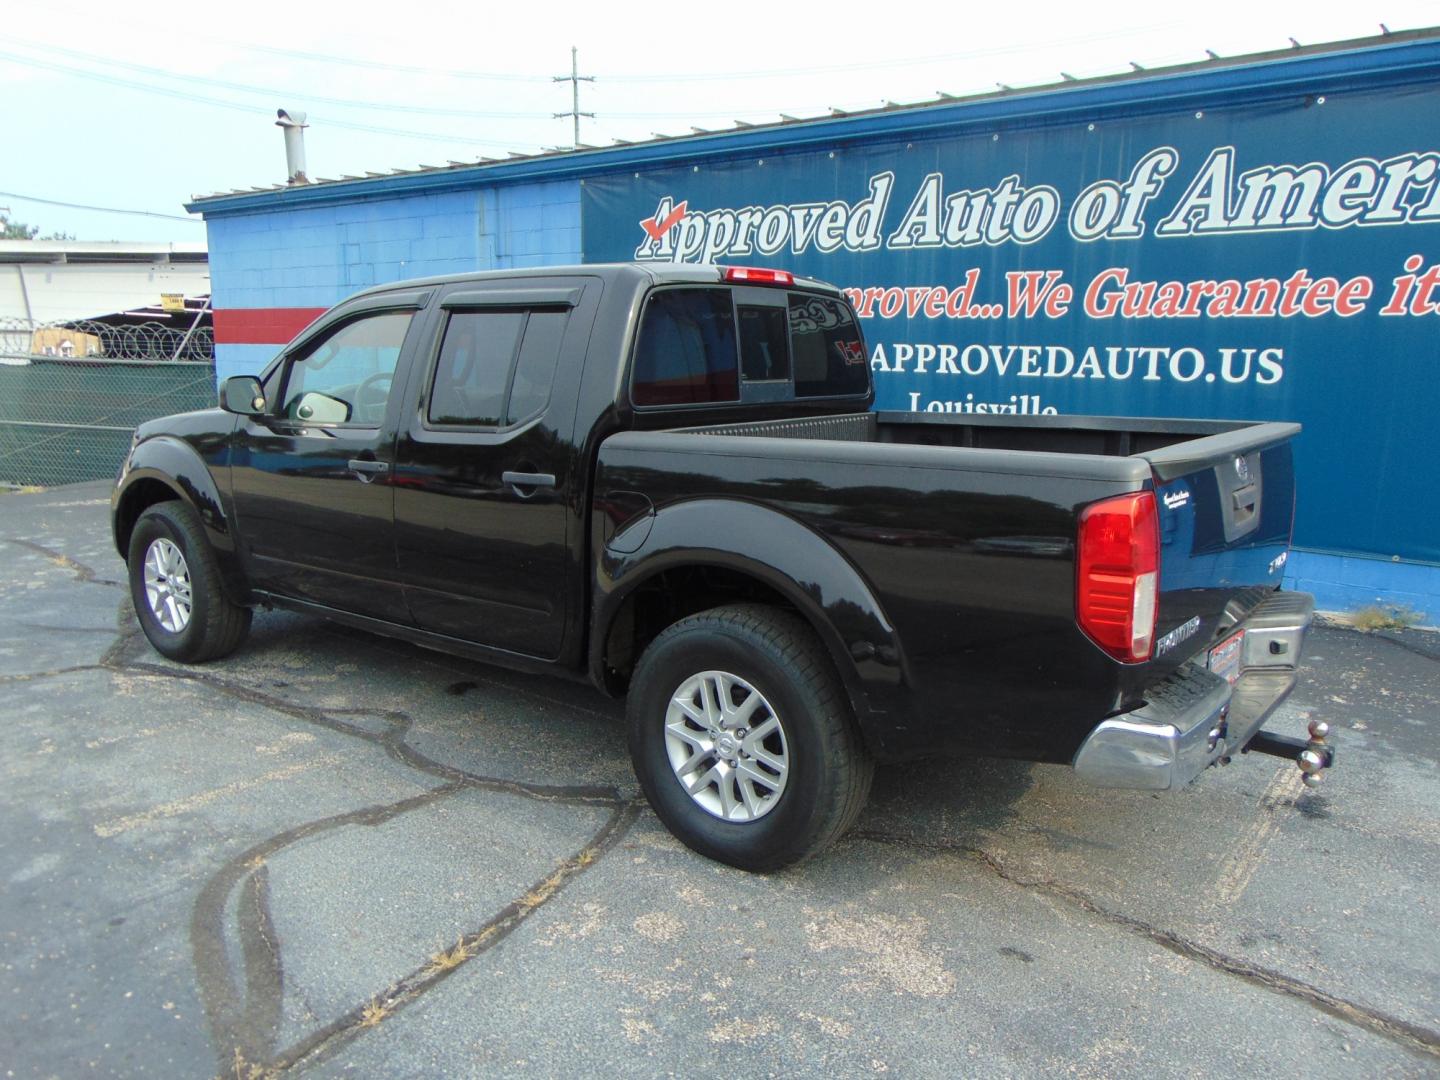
x,y
1313,756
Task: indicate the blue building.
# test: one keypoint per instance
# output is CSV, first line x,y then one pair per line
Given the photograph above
x,y
1253,239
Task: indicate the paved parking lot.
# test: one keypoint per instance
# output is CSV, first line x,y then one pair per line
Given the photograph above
x,y
339,855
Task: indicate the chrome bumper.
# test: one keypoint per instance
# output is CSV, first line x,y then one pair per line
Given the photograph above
x,y
1194,718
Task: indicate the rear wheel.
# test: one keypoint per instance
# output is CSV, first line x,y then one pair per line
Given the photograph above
x,y
743,740
175,587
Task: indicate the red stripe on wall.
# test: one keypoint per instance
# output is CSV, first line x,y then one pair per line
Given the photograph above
x,y
262,326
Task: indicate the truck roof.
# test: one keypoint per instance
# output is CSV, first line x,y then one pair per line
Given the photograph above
x,y
631,273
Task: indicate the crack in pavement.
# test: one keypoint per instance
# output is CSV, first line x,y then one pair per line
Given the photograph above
x,y
325,1043
245,1020
1413,649
1412,1036
82,572
252,1034
1381,635
31,676
64,629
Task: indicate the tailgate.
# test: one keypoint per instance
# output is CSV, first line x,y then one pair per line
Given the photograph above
x,y
1226,504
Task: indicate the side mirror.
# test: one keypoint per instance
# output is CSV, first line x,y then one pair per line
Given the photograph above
x,y
242,394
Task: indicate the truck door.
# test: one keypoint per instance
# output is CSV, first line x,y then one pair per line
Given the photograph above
x,y
487,521
311,477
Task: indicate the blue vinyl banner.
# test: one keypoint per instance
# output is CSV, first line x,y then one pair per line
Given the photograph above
x,y
1268,262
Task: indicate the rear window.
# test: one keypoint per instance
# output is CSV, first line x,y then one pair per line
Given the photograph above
x,y
686,349
699,345
829,354
764,344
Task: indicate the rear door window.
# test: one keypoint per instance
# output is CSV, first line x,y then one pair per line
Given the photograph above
x,y
475,360
535,367
685,353
495,367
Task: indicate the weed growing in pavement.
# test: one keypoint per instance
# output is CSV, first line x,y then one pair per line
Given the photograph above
x,y
1375,617
248,1070
447,959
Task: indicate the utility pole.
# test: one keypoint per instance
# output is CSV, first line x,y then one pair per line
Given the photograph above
x,y
574,79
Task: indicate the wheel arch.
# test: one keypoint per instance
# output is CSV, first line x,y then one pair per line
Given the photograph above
x,y
706,552
164,469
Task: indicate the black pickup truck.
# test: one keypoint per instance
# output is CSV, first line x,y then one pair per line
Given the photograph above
x,y
668,480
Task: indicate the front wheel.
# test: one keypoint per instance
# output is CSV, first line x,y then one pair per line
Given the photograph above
x,y
743,740
175,587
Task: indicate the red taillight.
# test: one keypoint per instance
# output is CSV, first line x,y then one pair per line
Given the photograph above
x,y
758,275
1118,574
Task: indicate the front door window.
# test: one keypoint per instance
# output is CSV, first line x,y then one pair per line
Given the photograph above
x,y
346,378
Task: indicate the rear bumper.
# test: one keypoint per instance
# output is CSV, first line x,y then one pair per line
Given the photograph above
x,y
1194,718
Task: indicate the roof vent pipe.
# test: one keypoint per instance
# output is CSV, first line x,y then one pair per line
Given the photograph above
x,y
294,124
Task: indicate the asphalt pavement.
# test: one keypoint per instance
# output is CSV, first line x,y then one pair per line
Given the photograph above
x,y
335,855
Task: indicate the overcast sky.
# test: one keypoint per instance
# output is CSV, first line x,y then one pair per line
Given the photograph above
x,y
134,106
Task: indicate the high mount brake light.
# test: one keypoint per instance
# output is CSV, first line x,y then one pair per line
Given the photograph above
x,y
1118,574
756,275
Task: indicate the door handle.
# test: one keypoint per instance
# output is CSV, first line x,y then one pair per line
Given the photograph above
x,y
531,480
367,469
1243,501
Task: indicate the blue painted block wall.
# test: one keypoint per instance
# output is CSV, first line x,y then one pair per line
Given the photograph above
x,y
530,225
1348,582
315,256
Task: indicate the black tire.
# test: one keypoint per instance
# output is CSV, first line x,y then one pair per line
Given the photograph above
x,y
829,771
215,627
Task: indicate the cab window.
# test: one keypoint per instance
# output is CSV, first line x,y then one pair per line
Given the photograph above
x,y
685,352
346,378
764,344
828,351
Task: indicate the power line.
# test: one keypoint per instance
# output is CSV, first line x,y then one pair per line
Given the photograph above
x,y
687,76
112,80
100,209
574,78
48,7
683,76
384,65
274,92
875,65
277,92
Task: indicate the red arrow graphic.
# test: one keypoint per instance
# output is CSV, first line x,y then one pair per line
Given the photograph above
x,y
659,229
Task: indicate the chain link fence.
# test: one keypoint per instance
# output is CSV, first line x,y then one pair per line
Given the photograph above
x,y
72,393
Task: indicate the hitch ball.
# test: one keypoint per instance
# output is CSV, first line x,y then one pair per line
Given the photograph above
x,y
1318,730
1310,762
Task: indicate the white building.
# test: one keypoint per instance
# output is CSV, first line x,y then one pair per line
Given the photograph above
x,y
44,281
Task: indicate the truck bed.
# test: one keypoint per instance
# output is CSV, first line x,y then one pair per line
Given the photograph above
x,y
1102,436
965,527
